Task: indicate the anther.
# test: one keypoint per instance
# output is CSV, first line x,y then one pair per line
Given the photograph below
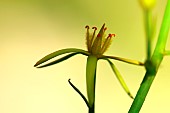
x,y
87,27
98,35
110,35
114,35
95,28
105,28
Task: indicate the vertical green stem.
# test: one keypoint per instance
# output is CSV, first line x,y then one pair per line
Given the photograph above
x,y
153,64
90,81
142,92
91,109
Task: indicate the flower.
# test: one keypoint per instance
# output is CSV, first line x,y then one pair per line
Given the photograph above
x,y
96,46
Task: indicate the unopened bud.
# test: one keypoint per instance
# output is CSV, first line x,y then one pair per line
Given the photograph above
x,y
147,4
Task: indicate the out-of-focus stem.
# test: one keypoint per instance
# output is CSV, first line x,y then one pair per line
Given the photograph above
x,y
153,64
148,24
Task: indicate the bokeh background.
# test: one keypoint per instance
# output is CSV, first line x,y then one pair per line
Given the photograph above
x,y
31,29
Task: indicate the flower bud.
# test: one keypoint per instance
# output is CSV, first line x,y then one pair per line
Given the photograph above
x,y
147,4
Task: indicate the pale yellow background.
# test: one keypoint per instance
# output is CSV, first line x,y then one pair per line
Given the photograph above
x,y
31,29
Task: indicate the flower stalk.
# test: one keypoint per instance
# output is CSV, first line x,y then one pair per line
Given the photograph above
x,y
91,79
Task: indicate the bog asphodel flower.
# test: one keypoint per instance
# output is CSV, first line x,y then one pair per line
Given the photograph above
x,y
96,46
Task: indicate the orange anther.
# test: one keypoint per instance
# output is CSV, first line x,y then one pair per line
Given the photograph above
x,y
114,35
87,27
95,28
98,35
110,35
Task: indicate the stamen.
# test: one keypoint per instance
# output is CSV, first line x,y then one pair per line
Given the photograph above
x,y
92,38
87,37
106,43
105,28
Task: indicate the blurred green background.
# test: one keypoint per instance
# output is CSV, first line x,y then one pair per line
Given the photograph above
x,y
31,29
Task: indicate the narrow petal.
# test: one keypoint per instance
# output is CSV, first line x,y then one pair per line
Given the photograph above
x,y
102,30
120,78
92,39
91,78
60,52
106,43
96,47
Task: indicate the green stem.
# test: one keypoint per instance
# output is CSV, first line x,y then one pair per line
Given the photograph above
x,y
90,81
153,64
142,92
91,109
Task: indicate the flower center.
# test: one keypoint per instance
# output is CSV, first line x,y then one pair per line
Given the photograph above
x,y
98,44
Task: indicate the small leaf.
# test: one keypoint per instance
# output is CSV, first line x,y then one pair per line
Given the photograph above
x,y
78,91
60,52
123,60
120,78
58,60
